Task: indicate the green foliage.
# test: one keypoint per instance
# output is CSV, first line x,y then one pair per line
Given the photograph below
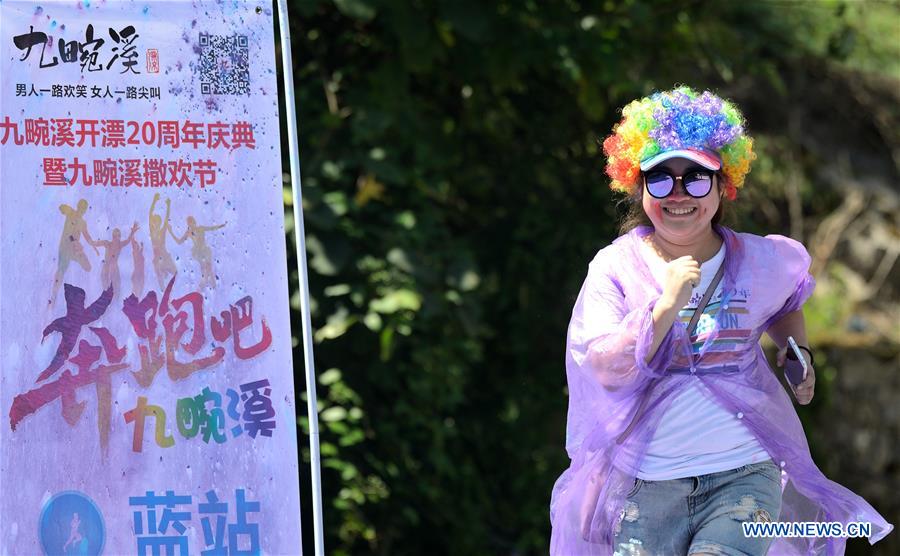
x,y
453,195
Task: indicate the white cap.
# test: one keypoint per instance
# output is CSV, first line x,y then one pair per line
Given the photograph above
x,y
704,157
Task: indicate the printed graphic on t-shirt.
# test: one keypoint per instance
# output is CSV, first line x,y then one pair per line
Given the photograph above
x,y
734,332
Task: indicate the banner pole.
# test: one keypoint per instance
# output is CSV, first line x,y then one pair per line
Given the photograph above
x,y
300,240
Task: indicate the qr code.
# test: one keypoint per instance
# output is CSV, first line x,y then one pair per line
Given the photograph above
x,y
224,65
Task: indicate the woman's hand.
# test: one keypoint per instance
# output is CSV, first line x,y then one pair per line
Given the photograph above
x,y
804,391
682,275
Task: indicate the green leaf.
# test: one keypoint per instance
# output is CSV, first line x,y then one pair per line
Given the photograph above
x,y
333,414
330,376
397,300
357,9
336,325
353,437
372,321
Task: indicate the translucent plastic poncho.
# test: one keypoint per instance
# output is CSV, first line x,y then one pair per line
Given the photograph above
x,y
612,389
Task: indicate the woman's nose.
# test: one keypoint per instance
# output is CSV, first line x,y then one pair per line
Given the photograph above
x,y
679,190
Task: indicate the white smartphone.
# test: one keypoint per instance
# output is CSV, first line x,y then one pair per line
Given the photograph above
x,y
795,362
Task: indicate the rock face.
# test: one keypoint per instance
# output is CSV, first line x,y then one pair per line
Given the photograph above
x,y
853,320
855,250
854,430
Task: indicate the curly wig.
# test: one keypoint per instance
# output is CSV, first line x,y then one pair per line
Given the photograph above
x,y
677,119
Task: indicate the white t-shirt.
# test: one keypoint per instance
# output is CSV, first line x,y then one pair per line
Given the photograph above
x,y
696,435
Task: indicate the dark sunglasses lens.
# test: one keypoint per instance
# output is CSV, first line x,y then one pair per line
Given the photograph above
x,y
698,184
659,184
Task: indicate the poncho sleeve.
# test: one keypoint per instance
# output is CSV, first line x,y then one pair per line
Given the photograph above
x,y
792,284
608,339
609,335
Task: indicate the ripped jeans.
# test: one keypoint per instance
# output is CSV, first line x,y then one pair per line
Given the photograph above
x,y
700,515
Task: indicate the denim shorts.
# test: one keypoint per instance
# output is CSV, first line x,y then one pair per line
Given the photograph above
x,y
700,514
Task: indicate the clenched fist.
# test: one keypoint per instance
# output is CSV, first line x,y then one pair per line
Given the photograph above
x,y
682,276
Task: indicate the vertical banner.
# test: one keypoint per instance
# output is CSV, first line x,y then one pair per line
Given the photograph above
x,y
145,345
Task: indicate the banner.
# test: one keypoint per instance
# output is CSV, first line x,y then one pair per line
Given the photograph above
x,y
145,345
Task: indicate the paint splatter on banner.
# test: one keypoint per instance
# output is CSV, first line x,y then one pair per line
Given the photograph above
x,y
145,348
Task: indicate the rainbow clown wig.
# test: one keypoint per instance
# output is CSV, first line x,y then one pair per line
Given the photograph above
x,y
678,119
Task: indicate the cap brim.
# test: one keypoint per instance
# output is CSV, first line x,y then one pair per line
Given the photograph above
x,y
704,158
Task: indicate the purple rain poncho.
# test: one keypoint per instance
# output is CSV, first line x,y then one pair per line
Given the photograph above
x,y
608,339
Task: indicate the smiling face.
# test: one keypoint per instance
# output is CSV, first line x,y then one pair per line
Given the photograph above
x,y
681,228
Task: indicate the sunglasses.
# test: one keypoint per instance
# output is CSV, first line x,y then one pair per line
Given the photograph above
x,y
660,183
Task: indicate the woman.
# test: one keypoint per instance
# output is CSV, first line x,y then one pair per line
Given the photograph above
x,y
200,250
678,430
70,248
78,543
162,260
137,268
112,248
